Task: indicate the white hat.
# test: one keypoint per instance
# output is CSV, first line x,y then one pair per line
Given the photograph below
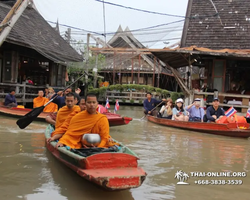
x,y
197,99
179,100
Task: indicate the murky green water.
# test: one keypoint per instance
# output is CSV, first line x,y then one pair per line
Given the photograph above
x,y
29,171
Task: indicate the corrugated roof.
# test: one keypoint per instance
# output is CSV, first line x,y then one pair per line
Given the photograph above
x,y
179,57
32,31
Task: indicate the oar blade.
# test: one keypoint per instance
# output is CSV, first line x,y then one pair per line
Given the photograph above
x,y
29,117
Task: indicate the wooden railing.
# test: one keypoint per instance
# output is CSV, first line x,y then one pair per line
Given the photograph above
x,y
24,92
244,102
126,97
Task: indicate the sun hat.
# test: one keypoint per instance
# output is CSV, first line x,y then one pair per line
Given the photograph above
x,y
179,100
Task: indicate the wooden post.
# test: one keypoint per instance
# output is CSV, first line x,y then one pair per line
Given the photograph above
x,y
245,102
120,71
158,80
24,92
154,73
95,69
114,69
87,63
138,77
132,72
190,80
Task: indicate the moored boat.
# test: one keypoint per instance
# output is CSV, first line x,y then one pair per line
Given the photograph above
x,y
110,170
114,119
232,129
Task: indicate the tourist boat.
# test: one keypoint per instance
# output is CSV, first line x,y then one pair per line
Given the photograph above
x,y
232,129
110,170
114,119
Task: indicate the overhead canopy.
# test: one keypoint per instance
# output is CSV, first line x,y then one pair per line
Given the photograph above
x,y
179,57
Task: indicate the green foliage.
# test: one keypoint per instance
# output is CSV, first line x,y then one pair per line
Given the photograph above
x,y
140,101
112,87
143,88
150,89
100,62
158,91
102,90
165,92
132,101
94,90
174,96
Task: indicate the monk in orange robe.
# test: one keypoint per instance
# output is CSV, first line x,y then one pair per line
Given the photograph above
x,y
88,121
63,128
65,111
40,100
51,107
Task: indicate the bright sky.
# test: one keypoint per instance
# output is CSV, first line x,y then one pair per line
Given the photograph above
x,y
88,15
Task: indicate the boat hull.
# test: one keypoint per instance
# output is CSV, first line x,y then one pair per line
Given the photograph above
x,y
112,171
231,130
114,119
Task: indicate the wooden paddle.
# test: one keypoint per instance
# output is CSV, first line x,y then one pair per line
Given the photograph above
x,y
24,121
152,110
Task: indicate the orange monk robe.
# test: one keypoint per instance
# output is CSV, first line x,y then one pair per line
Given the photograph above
x,y
63,128
51,107
63,113
83,123
39,101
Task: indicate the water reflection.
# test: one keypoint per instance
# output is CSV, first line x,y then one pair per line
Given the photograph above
x,y
29,171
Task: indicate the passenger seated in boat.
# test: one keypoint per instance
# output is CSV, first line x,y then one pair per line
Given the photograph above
x,y
51,107
214,112
60,100
40,100
166,110
150,104
58,133
88,121
179,114
51,118
196,113
65,111
10,99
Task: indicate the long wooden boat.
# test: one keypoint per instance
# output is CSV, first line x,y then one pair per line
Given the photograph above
x,y
232,129
114,119
112,170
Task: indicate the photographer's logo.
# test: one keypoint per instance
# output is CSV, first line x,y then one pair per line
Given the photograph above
x,y
182,177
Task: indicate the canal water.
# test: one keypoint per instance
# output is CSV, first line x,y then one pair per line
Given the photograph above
x,y
28,171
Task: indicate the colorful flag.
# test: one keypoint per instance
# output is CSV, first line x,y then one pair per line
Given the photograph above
x,y
230,112
117,106
107,106
248,113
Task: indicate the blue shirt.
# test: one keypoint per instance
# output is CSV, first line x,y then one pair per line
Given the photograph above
x,y
194,112
9,99
175,112
211,111
60,101
149,105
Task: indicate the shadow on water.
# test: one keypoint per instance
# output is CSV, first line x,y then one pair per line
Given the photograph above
x,y
75,187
